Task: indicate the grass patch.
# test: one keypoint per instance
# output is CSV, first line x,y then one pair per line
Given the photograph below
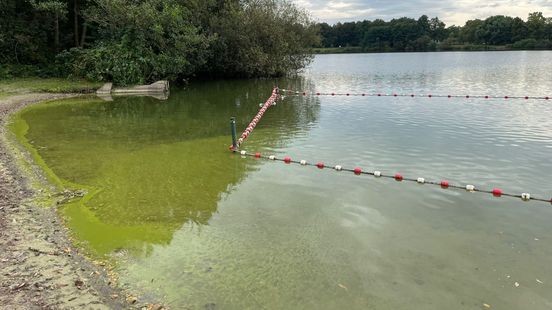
x,y
50,85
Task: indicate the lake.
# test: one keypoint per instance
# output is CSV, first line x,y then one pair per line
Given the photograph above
x,y
188,222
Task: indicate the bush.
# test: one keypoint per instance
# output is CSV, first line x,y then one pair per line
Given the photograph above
x,y
525,44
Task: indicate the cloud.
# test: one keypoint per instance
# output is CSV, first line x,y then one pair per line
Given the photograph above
x,y
452,12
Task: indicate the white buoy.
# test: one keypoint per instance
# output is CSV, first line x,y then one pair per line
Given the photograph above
x,y
303,162
243,153
377,174
272,157
338,168
470,188
525,196
420,180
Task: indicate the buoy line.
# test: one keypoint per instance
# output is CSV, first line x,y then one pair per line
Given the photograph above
x,y
411,95
496,192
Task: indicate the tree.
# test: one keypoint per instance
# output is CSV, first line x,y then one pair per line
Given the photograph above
x,y
519,29
437,30
548,29
468,34
327,34
496,30
260,38
377,37
536,24
423,24
56,8
142,41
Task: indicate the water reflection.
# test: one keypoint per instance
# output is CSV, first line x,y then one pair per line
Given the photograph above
x,y
150,165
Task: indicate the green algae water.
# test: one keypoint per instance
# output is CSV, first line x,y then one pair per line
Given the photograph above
x,y
192,224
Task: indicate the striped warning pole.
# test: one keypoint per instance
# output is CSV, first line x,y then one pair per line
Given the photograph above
x,y
257,118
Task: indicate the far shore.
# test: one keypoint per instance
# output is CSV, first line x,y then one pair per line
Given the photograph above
x,y
458,48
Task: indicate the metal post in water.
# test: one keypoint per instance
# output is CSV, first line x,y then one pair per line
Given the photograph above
x,y
234,134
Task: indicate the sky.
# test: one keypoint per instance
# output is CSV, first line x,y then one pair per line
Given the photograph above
x,y
452,12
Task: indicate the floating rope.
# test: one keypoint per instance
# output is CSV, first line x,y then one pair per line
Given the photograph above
x,y
305,93
268,103
496,192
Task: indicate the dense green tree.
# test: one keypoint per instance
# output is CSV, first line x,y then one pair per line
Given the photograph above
x,y
496,30
57,10
328,35
519,29
536,23
136,41
437,30
141,41
468,33
260,37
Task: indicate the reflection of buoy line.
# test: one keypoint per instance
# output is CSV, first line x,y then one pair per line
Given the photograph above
x,y
496,192
306,93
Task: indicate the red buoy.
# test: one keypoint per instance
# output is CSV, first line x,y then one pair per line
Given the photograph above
x,y
257,155
467,96
347,94
449,96
429,95
398,177
395,95
546,98
318,94
505,97
526,97
379,95
365,95
357,171
486,97
497,192
320,165
444,184
287,159
412,95
333,94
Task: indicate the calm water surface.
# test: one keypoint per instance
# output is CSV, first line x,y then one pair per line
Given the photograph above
x,y
204,229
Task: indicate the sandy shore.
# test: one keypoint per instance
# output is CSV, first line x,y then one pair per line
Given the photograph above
x,y
39,267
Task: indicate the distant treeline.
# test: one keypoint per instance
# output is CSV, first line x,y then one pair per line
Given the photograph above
x,y
138,41
425,34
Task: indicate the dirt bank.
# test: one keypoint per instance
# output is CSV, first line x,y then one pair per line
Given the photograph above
x,y
39,268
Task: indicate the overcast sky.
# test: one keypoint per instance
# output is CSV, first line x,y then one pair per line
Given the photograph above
x,y
450,11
